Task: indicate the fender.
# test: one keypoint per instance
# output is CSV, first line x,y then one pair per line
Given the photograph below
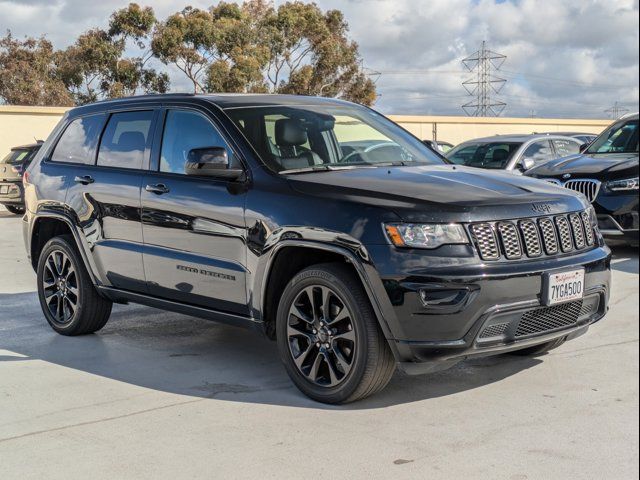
x,y
81,242
357,256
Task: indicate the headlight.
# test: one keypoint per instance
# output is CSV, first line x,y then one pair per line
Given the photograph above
x,y
627,184
425,235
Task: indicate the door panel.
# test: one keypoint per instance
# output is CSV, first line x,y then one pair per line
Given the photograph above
x,y
193,227
195,242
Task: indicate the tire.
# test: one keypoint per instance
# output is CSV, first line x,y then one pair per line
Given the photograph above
x,y
352,356
15,209
61,269
539,349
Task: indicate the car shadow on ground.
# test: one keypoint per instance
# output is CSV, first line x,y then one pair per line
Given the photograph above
x,y
625,259
188,356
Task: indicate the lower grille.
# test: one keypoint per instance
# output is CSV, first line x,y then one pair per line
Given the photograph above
x,y
547,319
494,330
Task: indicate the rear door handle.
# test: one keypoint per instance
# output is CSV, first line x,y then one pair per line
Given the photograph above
x,y
84,180
158,189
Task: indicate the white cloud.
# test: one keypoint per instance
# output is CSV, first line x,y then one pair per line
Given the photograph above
x,y
565,58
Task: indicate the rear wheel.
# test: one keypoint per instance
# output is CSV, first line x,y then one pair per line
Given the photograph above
x,y
69,301
539,349
15,209
329,338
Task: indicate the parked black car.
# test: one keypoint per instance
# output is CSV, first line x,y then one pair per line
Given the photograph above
x,y
315,221
11,169
607,174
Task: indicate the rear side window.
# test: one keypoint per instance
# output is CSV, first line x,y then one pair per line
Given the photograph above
x,y
184,131
539,152
78,142
125,139
565,147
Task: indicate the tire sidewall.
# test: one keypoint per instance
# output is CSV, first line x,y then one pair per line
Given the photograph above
x,y
59,243
347,387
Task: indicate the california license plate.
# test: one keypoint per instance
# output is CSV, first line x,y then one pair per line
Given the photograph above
x,y
563,287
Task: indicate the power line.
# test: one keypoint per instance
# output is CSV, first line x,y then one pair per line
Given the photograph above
x,y
616,110
484,83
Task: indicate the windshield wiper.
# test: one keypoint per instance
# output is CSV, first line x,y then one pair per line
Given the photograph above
x,y
321,168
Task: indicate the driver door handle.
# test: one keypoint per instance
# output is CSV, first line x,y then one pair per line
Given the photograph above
x,y
84,180
158,188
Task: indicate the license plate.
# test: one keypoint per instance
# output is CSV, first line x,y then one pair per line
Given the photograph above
x,y
4,189
563,287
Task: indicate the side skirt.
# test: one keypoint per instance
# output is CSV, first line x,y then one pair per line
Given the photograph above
x,y
123,296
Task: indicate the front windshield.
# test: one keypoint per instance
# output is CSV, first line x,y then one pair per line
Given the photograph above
x,y
327,136
621,137
493,155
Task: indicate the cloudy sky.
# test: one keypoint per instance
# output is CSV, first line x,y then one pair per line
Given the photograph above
x,y
565,58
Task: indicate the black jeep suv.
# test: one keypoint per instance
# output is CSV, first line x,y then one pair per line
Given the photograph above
x,y
606,172
11,169
319,223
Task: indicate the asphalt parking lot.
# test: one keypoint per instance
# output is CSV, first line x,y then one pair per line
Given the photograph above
x,y
161,395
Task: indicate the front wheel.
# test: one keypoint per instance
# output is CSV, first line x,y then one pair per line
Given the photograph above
x,y
329,338
69,301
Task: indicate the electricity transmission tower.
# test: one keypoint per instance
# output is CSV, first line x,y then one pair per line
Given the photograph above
x,y
616,111
483,84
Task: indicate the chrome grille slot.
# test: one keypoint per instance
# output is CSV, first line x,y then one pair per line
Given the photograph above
x,y
588,228
510,240
531,238
486,241
578,232
549,236
564,231
587,187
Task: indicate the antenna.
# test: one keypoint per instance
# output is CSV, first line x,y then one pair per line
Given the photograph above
x,y
483,84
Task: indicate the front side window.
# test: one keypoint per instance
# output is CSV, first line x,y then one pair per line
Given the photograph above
x,y
327,136
621,137
184,131
78,142
539,152
565,147
493,155
125,139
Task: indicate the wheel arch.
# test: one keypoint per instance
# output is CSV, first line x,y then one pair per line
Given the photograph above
x,y
47,225
288,257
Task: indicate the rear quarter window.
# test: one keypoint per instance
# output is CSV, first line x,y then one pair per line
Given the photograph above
x,y
78,142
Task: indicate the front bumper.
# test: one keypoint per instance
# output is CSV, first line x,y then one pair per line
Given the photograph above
x,y
444,313
618,218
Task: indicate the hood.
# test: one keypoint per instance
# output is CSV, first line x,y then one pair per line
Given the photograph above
x,y
604,166
442,193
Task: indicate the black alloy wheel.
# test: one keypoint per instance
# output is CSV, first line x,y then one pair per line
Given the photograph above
x,y
321,335
60,287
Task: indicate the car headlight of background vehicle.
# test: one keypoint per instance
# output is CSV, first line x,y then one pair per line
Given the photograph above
x,y
426,235
627,184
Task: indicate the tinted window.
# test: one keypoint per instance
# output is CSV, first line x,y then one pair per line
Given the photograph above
x,y
78,142
125,139
495,155
184,131
539,152
621,137
565,147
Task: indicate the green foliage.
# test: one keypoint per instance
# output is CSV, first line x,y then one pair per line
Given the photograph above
x,y
28,73
248,47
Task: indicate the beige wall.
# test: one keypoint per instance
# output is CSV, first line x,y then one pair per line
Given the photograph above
x,y
458,129
20,125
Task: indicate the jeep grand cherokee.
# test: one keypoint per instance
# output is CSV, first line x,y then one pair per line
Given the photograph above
x,y
315,221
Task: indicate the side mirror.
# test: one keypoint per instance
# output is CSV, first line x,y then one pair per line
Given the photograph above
x,y
211,162
528,164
